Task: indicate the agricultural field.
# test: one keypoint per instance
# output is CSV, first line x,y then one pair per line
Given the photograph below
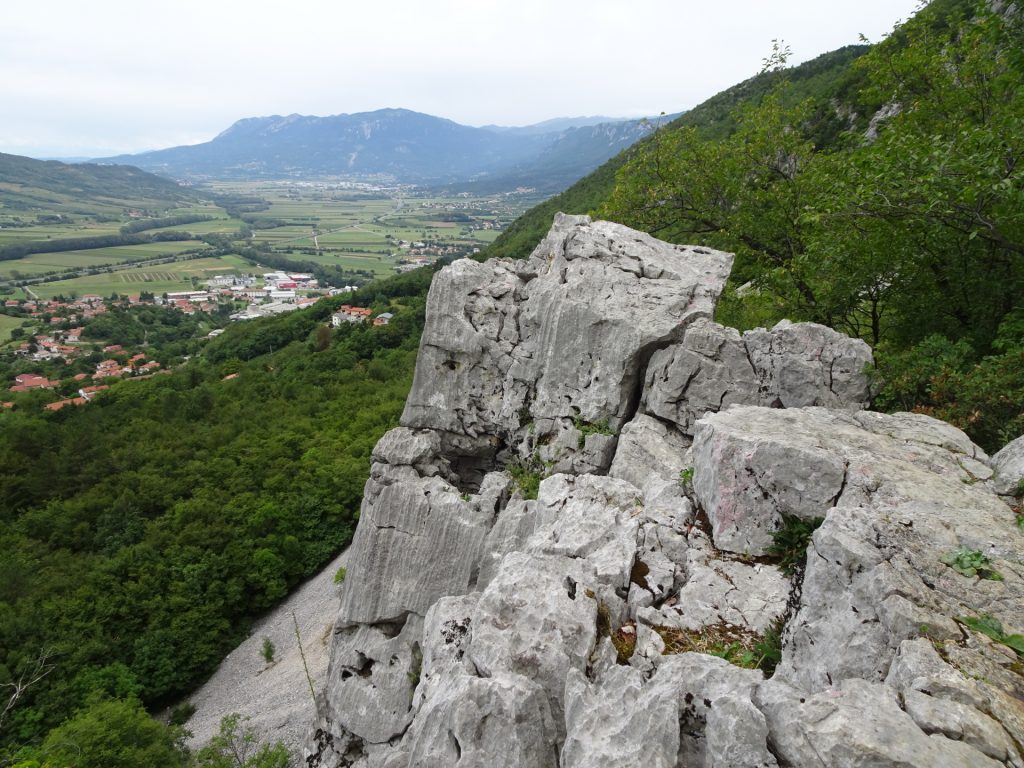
x,y
9,234
367,230
8,324
380,265
327,225
159,278
41,263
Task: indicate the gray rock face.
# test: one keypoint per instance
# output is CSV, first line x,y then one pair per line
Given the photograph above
x,y
1008,465
481,628
856,724
790,366
720,590
418,539
554,342
693,711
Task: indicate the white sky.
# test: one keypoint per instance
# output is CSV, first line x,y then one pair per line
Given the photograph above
x,y
81,78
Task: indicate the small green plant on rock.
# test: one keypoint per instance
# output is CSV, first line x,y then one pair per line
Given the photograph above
x,y
970,562
992,627
527,475
268,650
340,574
599,427
790,540
768,649
736,645
686,480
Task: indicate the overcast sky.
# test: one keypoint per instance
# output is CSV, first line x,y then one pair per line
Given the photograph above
x,y
81,78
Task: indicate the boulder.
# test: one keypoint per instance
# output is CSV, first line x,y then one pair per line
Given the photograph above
x,y
671,719
855,724
371,678
898,497
592,519
537,620
790,366
718,589
1008,466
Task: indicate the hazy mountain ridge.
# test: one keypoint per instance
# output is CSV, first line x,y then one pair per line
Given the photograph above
x,y
396,144
27,183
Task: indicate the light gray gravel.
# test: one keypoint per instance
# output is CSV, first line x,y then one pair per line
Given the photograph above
x,y
275,697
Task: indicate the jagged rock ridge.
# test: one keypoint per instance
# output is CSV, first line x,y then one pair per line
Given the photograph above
x,y
479,627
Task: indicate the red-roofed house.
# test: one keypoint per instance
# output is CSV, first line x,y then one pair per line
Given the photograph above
x,y
88,393
26,381
61,403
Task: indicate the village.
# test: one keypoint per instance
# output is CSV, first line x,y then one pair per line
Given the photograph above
x,y
59,324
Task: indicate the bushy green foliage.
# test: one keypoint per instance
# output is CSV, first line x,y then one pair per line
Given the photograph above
x,y
947,379
115,734
146,529
599,427
790,540
527,474
237,746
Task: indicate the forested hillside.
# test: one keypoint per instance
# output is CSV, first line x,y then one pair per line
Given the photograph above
x,y
880,194
142,533
821,80
27,184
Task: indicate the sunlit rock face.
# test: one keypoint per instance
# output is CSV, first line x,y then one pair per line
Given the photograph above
x,y
567,554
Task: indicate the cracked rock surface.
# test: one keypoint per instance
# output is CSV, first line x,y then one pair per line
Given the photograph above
x,y
615,619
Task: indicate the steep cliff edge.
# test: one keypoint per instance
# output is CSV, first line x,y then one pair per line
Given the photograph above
x,y
591,625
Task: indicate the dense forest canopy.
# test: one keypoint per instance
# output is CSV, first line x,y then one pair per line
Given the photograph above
x,y
142,533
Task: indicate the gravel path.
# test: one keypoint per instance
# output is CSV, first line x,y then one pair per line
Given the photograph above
x,y
276,696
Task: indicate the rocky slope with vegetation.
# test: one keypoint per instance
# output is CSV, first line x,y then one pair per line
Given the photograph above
x,y
125,582
874,191
612,532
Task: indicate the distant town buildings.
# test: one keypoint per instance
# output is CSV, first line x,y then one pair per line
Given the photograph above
x,y
350,314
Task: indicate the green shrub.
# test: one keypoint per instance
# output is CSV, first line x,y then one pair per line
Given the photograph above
x,y
983,397
599,427
340,574
527,475
789,542
268,650
181,713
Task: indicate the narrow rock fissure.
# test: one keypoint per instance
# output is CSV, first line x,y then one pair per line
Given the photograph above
x,y
842,485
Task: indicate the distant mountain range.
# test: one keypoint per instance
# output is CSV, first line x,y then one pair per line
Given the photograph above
x,y
398,145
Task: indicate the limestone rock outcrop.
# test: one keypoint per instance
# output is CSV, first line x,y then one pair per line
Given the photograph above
x,y
568,554
791,365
